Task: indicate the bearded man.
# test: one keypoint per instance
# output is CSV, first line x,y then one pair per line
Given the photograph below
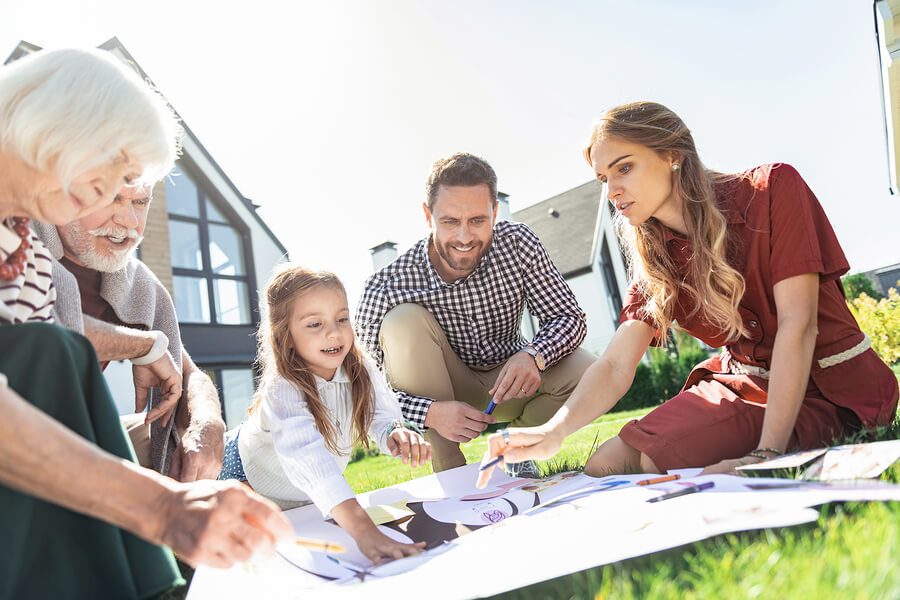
x,y
106,293
444,319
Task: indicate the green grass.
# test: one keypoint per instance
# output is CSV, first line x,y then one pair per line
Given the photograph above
x,y
381,471
850,552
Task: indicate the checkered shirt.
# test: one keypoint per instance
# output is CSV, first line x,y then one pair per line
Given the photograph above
x,y
480,313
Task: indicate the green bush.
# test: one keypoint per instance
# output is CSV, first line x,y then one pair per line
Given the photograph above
x,y
859,283
880,320
359,451
664,373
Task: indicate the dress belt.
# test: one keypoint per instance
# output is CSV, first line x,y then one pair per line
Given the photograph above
x,y
736,367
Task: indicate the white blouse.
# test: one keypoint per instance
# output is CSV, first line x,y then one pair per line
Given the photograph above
x,y
285,457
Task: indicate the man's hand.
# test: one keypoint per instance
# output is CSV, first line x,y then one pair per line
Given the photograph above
x,y
218,523
519,378
162,374
457,421
199,453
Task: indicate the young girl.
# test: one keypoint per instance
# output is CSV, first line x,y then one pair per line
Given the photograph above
x,y
318,395
746,262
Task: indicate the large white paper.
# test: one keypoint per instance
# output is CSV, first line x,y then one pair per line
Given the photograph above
x,y
561,526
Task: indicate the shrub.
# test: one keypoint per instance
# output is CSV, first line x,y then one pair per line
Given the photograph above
x,y
359,452
859,283
664,373
880,320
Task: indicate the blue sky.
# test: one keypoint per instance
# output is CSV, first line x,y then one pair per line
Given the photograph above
x,y
329,114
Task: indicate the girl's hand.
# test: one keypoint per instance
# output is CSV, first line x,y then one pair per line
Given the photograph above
x,y
377,546
409,446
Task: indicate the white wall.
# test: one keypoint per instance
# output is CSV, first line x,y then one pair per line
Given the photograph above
x,y
591,295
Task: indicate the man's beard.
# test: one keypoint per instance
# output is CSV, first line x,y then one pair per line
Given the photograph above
x,y
82,245
463,263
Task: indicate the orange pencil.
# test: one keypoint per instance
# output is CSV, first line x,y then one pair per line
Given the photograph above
x,y
662,479
319,545
255,522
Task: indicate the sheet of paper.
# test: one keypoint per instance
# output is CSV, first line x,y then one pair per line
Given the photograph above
x,y
855,461
385,513
788,461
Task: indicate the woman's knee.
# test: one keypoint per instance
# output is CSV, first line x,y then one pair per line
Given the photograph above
x,y
614,457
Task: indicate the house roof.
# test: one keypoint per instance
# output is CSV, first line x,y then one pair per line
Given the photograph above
x,y
566,224
114,45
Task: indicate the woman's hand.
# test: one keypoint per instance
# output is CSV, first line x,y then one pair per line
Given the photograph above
x,y
409,446
517,445
729,466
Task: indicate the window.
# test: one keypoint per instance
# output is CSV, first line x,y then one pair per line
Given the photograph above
x,y
209,273
236,387
613,296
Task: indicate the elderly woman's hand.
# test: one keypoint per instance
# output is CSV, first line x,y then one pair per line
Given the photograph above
x,y
218,523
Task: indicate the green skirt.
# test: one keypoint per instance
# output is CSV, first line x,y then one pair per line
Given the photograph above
x,y
49,551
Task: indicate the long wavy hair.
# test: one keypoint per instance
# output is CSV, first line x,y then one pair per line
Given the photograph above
x,y
715,287
278,357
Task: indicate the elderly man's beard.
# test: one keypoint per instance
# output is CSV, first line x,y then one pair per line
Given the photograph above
x,y
82,244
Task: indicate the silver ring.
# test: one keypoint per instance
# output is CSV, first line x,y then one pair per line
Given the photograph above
x,y
505,433
523,391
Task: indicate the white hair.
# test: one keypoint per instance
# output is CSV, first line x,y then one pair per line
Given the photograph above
x,y
68,111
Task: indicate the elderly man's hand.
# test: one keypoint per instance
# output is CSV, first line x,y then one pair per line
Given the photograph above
x,y
164,374
218,523
200,452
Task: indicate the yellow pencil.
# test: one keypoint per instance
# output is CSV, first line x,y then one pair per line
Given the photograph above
x,y
319,545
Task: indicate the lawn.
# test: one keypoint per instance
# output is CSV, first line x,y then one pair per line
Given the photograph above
x,y
849,553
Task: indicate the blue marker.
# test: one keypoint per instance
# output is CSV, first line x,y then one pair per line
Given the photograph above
x,y
490,407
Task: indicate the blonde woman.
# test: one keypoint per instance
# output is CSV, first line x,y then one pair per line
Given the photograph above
x,y
746,262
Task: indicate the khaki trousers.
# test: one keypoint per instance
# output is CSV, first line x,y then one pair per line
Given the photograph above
x,y
139,434
418,359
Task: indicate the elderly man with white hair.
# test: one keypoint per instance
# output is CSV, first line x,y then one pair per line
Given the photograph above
x,y
105,292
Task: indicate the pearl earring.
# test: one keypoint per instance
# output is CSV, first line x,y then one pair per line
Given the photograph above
x,y
676,166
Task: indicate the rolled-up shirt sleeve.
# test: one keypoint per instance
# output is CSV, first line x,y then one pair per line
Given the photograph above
x,y
301,449
634,309
802,239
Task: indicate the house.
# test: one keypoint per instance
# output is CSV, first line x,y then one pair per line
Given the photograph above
x,y
885,278
576,228
887,34
207,244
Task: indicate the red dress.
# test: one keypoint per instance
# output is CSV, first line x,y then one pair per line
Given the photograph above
x,y
777,229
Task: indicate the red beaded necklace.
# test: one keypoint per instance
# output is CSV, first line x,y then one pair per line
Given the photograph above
x,y
15,262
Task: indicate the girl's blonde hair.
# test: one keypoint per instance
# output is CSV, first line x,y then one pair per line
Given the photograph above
x,y
277,355
68,111
713,285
